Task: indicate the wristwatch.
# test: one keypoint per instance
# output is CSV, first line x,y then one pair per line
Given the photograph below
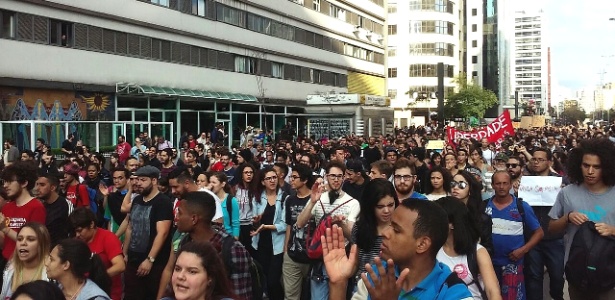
x,y
151,259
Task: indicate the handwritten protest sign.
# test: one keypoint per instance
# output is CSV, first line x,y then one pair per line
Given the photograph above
x,y
540,190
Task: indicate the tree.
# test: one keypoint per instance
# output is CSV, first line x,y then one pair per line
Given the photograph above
x,y
472,100
573,115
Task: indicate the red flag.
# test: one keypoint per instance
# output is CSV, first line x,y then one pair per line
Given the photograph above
x,y
494,132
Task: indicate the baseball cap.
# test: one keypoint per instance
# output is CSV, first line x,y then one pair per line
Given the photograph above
x,y
501,156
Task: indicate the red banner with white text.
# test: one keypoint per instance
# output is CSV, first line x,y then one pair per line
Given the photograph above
x,y
494,132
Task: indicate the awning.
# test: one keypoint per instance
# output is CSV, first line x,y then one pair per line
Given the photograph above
x,y
123,88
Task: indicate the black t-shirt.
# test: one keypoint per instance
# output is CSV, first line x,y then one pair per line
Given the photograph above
x,y
57,219
294,206
114,201
143,219
421,175
371,155
68,145
355,190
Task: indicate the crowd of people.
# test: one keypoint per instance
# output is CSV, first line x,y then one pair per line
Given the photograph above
x,y
380,217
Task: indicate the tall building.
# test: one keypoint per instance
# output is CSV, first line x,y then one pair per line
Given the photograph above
x,y
531,57
189,62
421,34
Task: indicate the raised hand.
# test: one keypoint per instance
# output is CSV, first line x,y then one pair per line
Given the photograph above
x,y
339,267
383,286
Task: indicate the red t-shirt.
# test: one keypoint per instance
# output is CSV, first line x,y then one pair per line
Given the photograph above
x,y
108,246
33,211
84,197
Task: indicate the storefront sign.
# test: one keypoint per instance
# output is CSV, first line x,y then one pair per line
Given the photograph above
x,y
335,98
375,100
494,132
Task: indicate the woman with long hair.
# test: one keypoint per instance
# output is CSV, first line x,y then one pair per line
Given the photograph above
x,y
245,192
461,248
468,190
80,273
435,160
102,242
439,184
114,161
377,208
199,274
219,186
28,262
268,238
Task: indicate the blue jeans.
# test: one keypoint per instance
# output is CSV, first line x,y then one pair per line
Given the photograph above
x,y
549,253
319,287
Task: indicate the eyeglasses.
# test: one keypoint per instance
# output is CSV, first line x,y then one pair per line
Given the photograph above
x,y
460,184
293,177
271,178
534,159
512,166
335,176
403,177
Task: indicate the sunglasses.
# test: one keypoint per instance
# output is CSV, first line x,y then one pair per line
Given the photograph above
x,y
461,184
511,166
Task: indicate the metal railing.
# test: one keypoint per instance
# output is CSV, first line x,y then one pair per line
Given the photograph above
x,y
95,134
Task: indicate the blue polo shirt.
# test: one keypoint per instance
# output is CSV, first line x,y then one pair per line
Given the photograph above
x,y
433,287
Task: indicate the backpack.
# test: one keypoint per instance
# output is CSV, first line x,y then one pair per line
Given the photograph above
x,y
257,275
527,233
314,246
591,260
473,267
451,280
96,203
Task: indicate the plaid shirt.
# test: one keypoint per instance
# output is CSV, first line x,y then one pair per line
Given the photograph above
x,y
241,280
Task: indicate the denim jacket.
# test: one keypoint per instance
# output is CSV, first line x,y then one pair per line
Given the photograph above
x,y
277,235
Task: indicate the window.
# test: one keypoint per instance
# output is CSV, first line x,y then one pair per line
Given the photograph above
x,y
7,24
315,76
438,27
392,73
161,2
231,16
259,24
392,29
436,49
474,43
316,5
198,7
474,28
425,70
474,59
60,33
444,6
392,51
337,12
245,65
474,74
277,70
474,12
392,93
392,8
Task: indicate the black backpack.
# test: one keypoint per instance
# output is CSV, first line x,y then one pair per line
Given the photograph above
x,y
591,260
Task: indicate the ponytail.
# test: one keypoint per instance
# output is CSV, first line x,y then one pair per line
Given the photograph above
x,y
83,263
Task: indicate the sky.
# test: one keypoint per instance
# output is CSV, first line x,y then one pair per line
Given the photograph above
x,y
582,41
